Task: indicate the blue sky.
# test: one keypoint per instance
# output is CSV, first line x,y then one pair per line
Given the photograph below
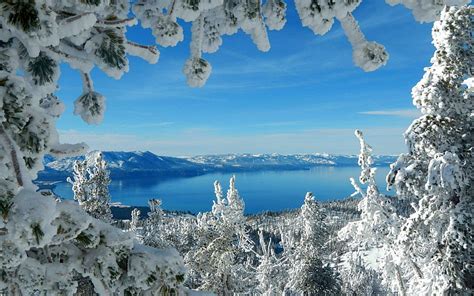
x,y
303,96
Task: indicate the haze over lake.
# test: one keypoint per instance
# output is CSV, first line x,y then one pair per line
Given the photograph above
x,y
261,191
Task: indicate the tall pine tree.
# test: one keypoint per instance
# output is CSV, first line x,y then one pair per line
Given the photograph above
x,y
438,170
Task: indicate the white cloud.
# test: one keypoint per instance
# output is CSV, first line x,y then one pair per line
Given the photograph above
x,y
410,113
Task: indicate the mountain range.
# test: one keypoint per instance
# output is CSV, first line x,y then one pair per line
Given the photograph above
x,y
147,164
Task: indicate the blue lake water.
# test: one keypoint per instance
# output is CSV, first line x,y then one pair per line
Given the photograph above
x,y
264,190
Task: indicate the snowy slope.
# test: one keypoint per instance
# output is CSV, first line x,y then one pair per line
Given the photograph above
x,y
139,164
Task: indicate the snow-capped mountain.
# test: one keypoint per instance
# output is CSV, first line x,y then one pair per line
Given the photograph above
x,y
279,161
126,164
140,164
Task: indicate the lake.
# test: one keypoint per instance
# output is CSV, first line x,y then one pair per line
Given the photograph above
x,y
261,191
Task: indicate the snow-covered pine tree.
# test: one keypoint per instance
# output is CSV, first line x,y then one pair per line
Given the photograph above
x,y
270,271
135,220
218,262
100,180
438,169
90,184
379,223
153,230
308,274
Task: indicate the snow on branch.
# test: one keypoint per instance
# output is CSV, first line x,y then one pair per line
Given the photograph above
x,y
369,56
148,53
90,105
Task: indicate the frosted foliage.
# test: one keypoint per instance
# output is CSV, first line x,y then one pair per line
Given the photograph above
x,y
360,279
365,160
167,31
253,17
44,243
196,69
270,271
378,226
91,107
427,11
319,15
274,12
148,53
215,262
154,231
369,56
90,186
437,173
135,220
378,216
307,274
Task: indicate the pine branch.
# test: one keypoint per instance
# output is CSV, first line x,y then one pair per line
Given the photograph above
x,y
42,68
117,22
23,14
112,49
13,156
151,48
91,2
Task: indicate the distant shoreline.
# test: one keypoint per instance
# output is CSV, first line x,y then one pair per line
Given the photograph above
x,y
130,165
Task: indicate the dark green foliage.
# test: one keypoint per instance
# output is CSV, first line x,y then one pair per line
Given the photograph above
x,y
37,232
122,261
23,14
84,239
112,50
151,278
42,68
90,101
191,4
319,279
180,278
14,106
91,2
6,204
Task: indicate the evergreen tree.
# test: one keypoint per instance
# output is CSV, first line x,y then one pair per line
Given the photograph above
x,y
270,271
135,221
308,274
90,185
217,263
438,169
379,223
